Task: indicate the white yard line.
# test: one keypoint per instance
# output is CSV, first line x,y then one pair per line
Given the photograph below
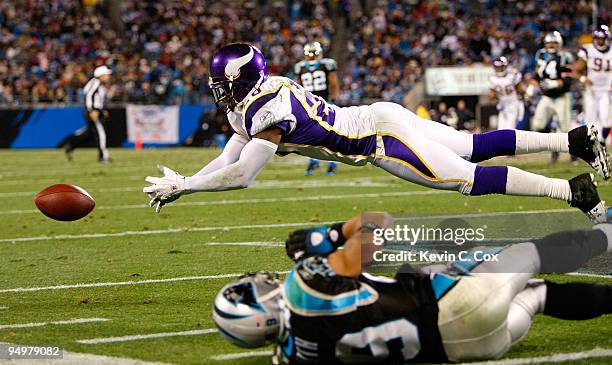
x,y
202,229
77,358
138,337
263,185
255,200
123,283
157,231
253,243
168,280
240,355
603,276
517,361
551,358
146,169
3,307
42,324
119,283
489,214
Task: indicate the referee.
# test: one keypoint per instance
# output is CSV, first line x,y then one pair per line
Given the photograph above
x,y
95,92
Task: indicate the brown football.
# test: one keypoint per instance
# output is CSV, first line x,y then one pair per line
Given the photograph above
x,y
64,202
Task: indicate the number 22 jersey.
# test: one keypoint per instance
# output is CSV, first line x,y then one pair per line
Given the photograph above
x,y
314,75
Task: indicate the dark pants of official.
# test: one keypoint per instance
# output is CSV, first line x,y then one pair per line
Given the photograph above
x,y
93,131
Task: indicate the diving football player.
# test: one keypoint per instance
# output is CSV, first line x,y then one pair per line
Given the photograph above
x,y
275,115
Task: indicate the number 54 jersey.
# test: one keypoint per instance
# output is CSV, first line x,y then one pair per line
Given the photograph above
x,y
331,319
314,75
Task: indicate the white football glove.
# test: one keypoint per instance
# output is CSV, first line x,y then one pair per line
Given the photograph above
x,y
165,189
549,84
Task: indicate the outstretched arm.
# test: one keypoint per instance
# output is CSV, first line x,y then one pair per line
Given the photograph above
x,y
237,175
230,154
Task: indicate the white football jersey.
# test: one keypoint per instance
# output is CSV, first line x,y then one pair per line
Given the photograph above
x,y
310,126
599,66
505,87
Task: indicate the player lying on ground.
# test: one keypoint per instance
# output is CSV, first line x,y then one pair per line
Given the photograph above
x,y
276,115
328,311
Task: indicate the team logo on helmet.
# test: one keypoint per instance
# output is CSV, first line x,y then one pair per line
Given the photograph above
x,y
232,68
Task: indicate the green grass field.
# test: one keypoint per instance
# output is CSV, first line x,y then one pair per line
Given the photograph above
x,y
123,242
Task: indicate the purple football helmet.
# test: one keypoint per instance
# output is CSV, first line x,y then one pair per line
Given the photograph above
x,y
601,38
235,70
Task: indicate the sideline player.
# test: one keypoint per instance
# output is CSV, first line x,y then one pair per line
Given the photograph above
x,y
95,94
276,115
507,89
594,69
328,311
318,76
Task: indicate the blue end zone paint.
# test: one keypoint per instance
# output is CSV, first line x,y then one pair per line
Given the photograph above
x,y
47,127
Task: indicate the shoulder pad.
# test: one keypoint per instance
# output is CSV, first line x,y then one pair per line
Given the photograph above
x,y
298,67
330,64
269,108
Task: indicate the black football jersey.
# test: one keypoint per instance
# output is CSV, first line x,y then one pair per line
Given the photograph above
x,y
314,75
331,319
550,66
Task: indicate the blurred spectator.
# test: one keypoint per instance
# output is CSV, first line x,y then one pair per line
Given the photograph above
x,y
391,46
163,53
465,117
48,48
444,115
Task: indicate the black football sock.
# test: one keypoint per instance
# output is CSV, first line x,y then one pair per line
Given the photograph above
x,y
568,251
577,301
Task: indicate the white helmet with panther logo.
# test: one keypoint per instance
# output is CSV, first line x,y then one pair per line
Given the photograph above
x,y
247,312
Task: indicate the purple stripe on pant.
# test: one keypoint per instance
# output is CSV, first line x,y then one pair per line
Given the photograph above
x,y
397,149
491,144
490,180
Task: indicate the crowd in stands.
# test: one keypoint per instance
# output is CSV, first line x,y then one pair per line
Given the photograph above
x,y
159,50
391,46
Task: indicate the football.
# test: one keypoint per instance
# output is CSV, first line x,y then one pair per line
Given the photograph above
x,y
64,202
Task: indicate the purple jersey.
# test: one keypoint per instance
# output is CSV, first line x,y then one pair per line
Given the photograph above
x,y
310,126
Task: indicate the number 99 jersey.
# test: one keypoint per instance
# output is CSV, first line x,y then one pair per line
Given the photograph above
x,y
314,75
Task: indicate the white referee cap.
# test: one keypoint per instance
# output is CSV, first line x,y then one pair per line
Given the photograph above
x,y
102,70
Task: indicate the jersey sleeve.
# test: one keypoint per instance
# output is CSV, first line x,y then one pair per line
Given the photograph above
x,y
297,69
330,65
271,109
518,77
536,73
583,53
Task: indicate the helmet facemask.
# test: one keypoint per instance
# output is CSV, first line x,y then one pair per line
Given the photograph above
x,y
551,47
313,51
228,94
601,38
500,66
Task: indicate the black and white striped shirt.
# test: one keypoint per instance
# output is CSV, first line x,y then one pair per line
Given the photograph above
x,y
95,94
